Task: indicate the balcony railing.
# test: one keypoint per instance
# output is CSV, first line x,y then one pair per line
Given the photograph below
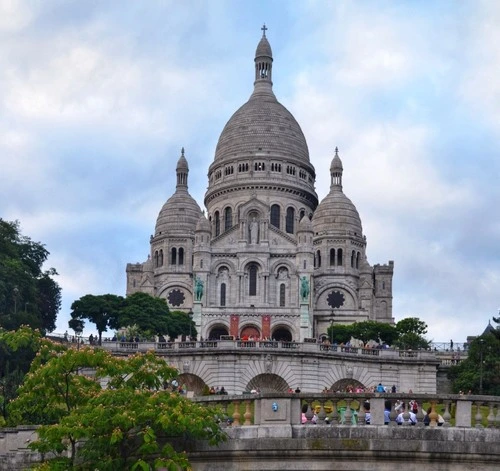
x,y
349,409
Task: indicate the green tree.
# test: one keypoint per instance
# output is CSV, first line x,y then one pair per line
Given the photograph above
x,y
372,330
411,332
339,333
28,295
480,368
130,424
17,351
150,315
103,311
181,324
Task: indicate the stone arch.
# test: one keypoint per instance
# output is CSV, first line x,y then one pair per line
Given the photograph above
x,y
214,324
267,383
216,331
274,269
192,382
282,333
223,262
331,286
249,330
345,383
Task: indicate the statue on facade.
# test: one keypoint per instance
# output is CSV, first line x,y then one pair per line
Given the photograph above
x,y
304,288
254,230
198,288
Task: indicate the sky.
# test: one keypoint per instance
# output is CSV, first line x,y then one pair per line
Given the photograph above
x,y
98,97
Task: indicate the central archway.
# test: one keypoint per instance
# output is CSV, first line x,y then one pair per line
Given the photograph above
x,y
268,383
216,332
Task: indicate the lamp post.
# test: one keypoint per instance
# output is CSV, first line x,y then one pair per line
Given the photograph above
x,y
16,292
332,315
190,314
481,345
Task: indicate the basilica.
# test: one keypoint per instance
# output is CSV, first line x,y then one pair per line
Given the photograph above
x,y
266,259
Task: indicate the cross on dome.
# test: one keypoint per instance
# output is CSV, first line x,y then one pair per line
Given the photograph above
x,y
264,29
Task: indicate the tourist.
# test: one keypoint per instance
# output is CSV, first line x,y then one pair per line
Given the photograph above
x,y
412,419
368,414
427,419
380,388
387,412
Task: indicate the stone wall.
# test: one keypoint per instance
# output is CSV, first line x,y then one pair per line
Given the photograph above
x,y
14,452
321,447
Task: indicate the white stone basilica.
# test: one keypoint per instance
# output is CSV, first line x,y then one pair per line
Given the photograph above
x,y
269,261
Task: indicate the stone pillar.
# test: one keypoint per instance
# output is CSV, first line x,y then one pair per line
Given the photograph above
x,y
463,415
377,411
197,316
305,322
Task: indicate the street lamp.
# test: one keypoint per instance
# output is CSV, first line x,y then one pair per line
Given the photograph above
x,y
16,292
190,314
332,315
481,345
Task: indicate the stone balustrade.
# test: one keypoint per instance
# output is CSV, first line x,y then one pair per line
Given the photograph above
x,y
266,345
347,409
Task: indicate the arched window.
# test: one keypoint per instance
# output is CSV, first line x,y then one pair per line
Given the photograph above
x,y
302,214
290,217
282,294
252,280
173,256
228,218
353,255
357,260
156,259
217,223
318,259
181,256
332,257
223,294
160,261
275,215
340,257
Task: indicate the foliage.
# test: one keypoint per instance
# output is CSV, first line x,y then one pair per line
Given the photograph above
x,y
140,313
128,425
482,363
339,333
411,332
148,313
181,324
371,330
28,295
102,310
17,351
408,333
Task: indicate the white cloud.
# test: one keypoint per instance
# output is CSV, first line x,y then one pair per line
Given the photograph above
x,y
15,15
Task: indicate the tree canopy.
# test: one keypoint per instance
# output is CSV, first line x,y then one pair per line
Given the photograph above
x,y
103,311
129,422
480,371
28,294
407,333
144,314
411,332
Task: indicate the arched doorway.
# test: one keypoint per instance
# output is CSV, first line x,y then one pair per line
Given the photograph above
x,y
267,382
282,334
250,331
344,384
216,332
192,383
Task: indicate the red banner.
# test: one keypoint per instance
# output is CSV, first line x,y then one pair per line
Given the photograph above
x,y
234,326
266,327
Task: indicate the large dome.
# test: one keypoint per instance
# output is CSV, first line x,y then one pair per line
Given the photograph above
x,y
181,213
336,214
262,124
